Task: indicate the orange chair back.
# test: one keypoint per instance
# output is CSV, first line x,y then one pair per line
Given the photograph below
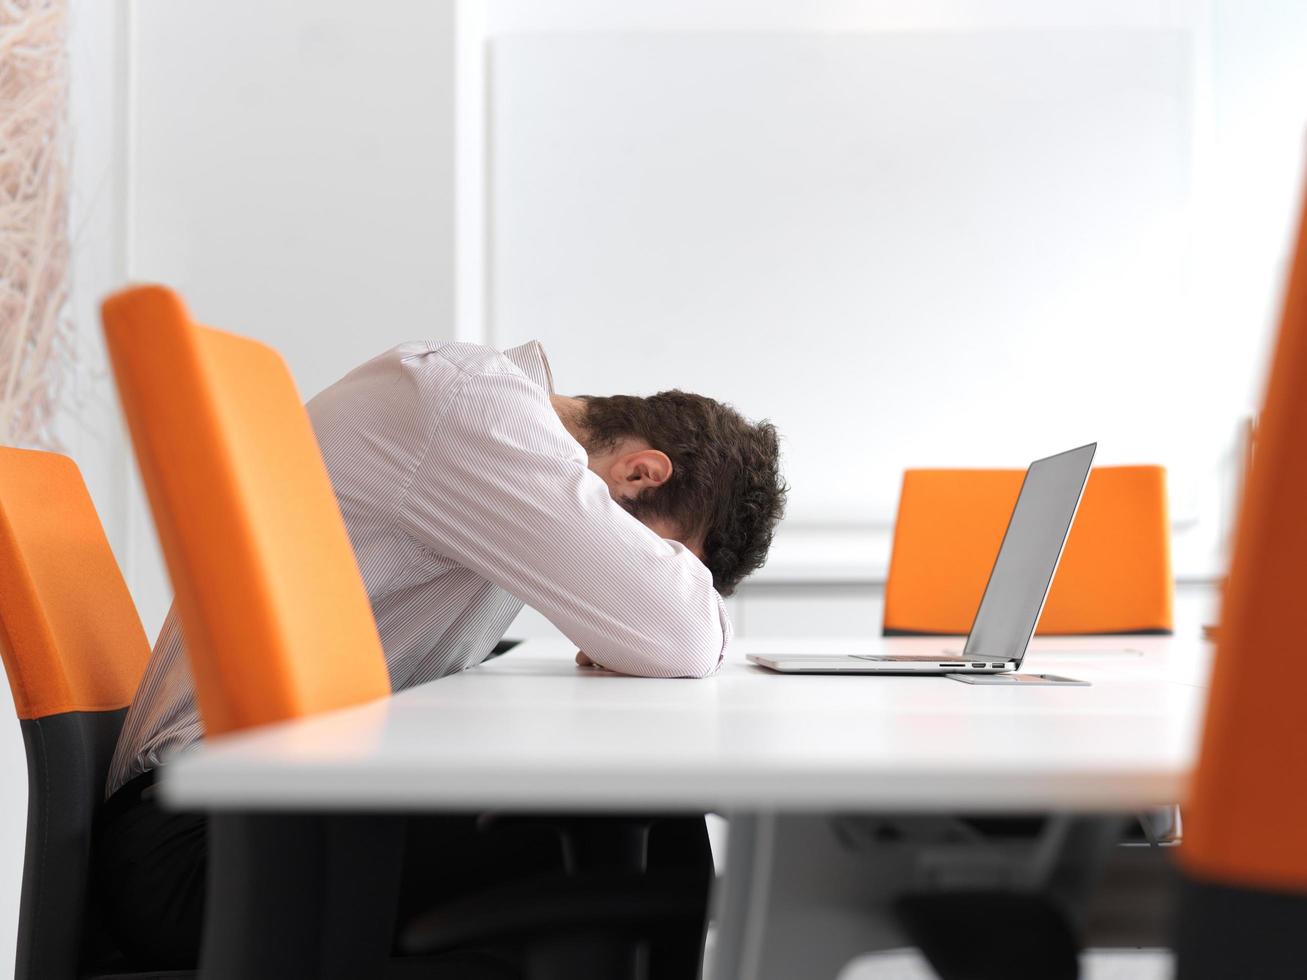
x,y
273,610
1248,806
1115,572
70,636
74,650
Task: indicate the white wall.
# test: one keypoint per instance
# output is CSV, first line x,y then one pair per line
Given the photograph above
x,y
293,176
1252,179
979,259
294,172
906,248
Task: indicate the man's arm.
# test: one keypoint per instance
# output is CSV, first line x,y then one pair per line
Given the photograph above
x,y
504,490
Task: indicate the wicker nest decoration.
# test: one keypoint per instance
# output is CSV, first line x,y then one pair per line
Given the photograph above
x,y
36,342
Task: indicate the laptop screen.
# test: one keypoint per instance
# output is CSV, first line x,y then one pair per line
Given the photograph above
x,y
1028,556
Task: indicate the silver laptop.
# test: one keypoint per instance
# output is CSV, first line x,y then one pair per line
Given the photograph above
x,y
1014,596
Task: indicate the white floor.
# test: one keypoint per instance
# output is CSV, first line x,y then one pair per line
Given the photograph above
x,y
1097,965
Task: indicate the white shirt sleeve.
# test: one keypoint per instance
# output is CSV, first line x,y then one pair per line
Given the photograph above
x,y
504,490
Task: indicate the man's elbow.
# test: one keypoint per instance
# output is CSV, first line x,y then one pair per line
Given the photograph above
x,y
707,662
697,655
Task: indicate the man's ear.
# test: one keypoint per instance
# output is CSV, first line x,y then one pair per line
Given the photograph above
x,y
640,470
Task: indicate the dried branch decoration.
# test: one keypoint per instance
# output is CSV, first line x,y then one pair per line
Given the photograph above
x,y
36,343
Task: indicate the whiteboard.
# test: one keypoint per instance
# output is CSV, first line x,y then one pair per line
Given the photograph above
x,y
922,248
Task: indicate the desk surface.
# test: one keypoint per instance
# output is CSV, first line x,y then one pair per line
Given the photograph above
x,y
530,730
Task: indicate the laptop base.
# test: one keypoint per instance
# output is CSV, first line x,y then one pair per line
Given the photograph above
x,y
1029,680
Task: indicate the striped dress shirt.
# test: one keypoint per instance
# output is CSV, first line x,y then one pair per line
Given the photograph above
x,y
465,497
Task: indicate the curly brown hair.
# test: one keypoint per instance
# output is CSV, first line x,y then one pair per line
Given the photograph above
x,y
726,486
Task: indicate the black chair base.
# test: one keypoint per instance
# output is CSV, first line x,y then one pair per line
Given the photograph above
x,y
1227,931
605,925
991,935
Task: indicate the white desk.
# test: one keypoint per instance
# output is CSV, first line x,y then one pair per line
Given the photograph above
x,y
532,731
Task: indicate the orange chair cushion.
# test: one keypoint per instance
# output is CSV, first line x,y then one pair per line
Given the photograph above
x,y
275,617
1115,572
70,636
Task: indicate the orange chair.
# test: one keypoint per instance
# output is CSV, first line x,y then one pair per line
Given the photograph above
x,y
1114,577
74,650
275,616
276,619
1245,850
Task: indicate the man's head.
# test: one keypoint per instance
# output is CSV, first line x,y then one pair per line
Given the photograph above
x,y
690,468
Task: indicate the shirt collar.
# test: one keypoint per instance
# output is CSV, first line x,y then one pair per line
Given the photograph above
x,y
530,359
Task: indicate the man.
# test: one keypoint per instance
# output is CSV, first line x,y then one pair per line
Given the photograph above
x,y
468,488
